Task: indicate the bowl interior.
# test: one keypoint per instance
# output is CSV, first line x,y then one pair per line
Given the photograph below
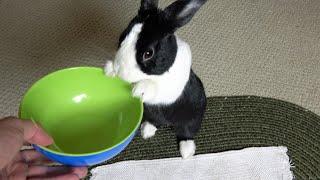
x,y
82,109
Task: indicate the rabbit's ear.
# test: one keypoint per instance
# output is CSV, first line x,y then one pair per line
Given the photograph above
x,y
148,5
181,12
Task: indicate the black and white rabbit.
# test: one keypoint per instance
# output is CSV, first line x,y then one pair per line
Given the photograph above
x,y
158,63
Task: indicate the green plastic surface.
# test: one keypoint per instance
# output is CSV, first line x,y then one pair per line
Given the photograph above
x,y
83,110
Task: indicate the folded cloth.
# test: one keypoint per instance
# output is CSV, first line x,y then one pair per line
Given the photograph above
x,y
257,163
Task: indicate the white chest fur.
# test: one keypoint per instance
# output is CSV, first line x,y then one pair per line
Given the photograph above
x,y
170,85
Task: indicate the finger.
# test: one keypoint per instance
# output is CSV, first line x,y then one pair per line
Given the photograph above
x,y
47,171
35,135
31,156
13,132
18,171
81,172
37,171
11,139
59,177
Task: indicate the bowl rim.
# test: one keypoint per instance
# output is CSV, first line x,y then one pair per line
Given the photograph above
x,y
34,85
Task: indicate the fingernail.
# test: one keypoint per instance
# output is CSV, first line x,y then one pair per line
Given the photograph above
x,y
80,171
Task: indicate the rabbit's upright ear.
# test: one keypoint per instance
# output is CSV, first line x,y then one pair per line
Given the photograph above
x,y
148,5
181,12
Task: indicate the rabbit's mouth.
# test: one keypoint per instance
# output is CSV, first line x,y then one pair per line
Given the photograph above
x,y
127,69
130,75
125,64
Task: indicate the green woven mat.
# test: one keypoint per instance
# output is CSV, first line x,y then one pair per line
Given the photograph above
x,y
239,122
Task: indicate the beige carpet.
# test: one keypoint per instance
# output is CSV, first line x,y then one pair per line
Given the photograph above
x,y
240,47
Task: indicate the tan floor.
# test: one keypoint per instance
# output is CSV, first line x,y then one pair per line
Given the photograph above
x,y
240,47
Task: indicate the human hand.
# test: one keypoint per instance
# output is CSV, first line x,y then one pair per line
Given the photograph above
x,y
29,164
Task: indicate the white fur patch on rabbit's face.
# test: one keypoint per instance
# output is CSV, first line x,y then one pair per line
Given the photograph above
x,y
125,64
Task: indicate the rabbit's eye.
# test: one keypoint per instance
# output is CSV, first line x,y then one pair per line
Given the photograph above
x,y
148,55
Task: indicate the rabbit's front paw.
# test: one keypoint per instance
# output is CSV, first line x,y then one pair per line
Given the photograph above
x,y
109,70
145,90
148,130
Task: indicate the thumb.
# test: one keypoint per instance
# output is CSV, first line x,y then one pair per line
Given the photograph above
x,y
13,132
35,135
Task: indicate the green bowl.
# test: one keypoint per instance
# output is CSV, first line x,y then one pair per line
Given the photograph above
x,y
86,112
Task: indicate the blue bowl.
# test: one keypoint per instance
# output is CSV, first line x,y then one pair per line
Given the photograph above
x,y
84,160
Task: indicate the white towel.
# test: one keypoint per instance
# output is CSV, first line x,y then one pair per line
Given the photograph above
x,y
263,163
